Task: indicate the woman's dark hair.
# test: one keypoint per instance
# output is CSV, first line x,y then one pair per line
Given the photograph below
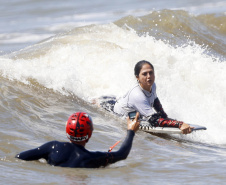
x,y
139,65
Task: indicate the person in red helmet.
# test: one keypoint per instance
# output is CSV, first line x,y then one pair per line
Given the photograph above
x,y
79,128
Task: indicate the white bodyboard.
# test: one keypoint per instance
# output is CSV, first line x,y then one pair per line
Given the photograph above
x,y
145,126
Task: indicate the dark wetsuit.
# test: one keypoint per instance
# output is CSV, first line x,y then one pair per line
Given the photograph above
x,y
67,154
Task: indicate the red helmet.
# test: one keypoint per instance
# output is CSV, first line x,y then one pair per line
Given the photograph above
x,y
79,127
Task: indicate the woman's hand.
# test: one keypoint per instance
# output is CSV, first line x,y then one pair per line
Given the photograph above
x,y
186,129
134,124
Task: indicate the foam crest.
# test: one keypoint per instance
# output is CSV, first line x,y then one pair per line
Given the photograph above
x,y
98,60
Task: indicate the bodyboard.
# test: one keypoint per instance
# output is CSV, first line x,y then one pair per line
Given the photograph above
x,y
146,127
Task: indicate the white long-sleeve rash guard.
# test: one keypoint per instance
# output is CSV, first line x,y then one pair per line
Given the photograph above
x,y
137,99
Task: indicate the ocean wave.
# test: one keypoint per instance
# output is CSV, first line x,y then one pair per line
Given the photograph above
x,y
179,27
95,60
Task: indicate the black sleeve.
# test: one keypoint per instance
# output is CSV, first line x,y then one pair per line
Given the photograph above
x,y
98,159
124,150
36,153
159,109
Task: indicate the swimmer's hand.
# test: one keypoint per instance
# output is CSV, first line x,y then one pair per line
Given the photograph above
x,y
186,129
133,125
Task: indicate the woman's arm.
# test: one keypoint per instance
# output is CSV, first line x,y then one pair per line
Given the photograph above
x,y
159,109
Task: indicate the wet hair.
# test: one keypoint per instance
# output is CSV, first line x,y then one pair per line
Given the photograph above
x,y
139,65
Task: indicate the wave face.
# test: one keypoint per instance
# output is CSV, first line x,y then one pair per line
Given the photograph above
x,y
179,28
97,60
42,84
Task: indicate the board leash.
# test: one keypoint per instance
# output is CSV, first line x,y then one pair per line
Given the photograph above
x,y
113,146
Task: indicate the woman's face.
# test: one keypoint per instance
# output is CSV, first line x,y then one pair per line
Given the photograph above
x,y
146,77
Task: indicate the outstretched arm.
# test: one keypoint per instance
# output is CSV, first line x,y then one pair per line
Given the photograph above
x,y
36,153
161,119
126,146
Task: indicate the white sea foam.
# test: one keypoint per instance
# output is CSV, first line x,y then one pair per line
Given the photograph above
x,y
13,38
98,60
